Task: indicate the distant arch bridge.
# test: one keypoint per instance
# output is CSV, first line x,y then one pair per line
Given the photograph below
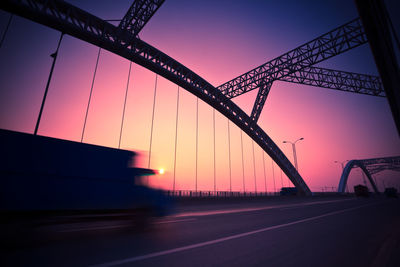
x,y
369,167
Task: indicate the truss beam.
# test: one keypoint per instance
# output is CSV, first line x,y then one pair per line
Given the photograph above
x,y
326,78
260,101
335,42
139,14
80,24
338,80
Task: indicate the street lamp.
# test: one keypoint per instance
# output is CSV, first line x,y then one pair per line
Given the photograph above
x,y
294,151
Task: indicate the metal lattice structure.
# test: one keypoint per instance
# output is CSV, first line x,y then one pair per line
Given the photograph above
x,y
369,167
326,78
139,14
338,80
335,42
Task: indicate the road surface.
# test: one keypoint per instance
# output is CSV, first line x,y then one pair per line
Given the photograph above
x,y
280,232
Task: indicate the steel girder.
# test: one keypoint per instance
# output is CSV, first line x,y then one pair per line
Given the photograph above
x,y
338,80
139,14
260,101
335,42
80,24
327,78
369,167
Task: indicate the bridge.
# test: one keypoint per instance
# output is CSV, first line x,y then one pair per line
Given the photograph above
x,y
280,226
296,66
369,167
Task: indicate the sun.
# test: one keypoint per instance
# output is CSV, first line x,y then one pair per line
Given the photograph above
x,y
161,171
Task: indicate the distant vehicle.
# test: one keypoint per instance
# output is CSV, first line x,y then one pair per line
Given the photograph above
x,y
361,191
391,192
288,191
46,176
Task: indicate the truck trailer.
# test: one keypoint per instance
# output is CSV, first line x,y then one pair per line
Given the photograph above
x,y
41,175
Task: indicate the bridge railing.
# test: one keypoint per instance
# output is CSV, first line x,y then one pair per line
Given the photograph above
x,y
220,194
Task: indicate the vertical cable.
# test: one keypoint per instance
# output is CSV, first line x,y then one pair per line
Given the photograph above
x,y
281,179
241,142
123,112
197,136
176,136
230,166
6,30
265,176
254,169
90,95
215,180
152,120
273,175
54,56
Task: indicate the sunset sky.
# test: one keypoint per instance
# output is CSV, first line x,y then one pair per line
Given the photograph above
x,y
218,40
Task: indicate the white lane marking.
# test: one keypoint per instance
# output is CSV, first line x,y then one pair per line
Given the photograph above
x,y
291,208
223,239
175,221
94,228
218,212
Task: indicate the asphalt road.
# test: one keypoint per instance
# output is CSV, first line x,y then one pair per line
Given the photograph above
x,y
280,232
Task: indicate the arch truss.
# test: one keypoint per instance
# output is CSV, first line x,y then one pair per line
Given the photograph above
x,y
294,66
369,167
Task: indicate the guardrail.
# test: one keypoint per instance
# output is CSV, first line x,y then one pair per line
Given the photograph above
x,y
222,194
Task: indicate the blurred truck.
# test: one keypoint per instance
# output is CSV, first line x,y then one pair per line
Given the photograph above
x,y
361,191
391,192
46,176
288,191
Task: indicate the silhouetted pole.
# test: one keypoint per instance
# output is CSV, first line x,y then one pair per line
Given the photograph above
x,y
294,151
54,56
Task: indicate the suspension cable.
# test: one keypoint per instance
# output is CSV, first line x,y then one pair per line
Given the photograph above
x,y
152,120
273,175
241,142
197,136
265,176
6,30
90,95
123,112
54,56
176,136
281,178
254,168
288,181
230,166
215,179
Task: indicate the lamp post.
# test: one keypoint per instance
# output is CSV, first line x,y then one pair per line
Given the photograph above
x,y
294,151
342,163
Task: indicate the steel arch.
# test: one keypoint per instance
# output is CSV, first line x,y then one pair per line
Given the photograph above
x,y
346,172
80,24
